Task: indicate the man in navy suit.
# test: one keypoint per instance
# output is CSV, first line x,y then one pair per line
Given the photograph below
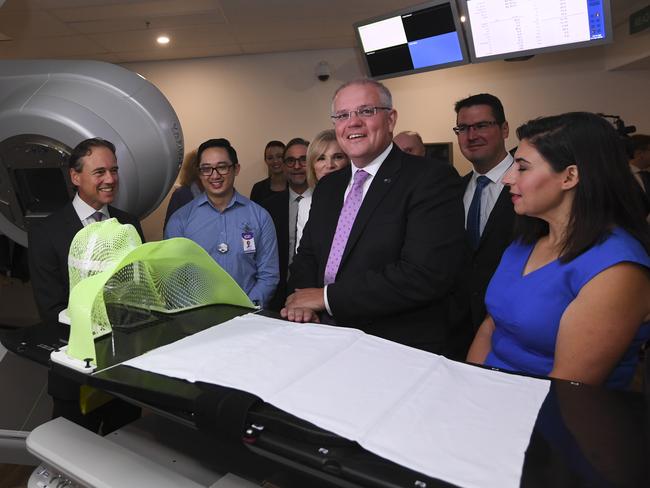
x,y
384,244
482,129
94,172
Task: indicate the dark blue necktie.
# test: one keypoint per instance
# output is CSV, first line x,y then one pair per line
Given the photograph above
x,y
474,213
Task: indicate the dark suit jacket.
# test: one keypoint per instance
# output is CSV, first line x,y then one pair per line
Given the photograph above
x,y
48,246
496,236
278,206
404,254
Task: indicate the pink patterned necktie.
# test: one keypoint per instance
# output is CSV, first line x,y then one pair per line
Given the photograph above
x,y
98,216
346,219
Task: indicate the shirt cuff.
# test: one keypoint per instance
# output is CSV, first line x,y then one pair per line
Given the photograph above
x,y
327,303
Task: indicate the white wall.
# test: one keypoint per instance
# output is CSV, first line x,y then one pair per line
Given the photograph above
x,y
252,99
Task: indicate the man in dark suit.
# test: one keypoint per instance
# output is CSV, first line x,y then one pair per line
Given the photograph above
x,y
93,170
482,129
384,243
284,208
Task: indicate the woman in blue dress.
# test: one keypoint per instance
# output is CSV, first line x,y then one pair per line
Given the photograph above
x,y
571,296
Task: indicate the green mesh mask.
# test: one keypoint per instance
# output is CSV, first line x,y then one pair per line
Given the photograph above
x,y
109,266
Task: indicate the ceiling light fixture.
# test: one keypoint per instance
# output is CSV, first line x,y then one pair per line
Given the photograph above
x,y
162,40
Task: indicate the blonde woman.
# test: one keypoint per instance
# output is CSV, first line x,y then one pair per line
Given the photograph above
x,y
324,155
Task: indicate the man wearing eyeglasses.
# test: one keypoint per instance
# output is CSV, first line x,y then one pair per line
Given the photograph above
x,y
284,208
482,129
384,243
235,231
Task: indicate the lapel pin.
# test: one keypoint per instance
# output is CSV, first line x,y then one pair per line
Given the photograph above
x,y
387,180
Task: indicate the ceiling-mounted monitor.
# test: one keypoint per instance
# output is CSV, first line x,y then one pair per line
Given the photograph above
x,y
502,29
420,38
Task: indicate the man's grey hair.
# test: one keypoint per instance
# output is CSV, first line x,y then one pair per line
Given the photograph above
x,y
385,97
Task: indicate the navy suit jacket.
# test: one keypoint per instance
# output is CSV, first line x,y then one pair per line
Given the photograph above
x,y
496,237
404,254
48,247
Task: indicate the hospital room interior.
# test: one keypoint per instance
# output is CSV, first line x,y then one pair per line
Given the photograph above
x,y
161,79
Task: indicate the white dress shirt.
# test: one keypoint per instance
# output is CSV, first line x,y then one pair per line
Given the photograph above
x,y
85,211
490,193
304,206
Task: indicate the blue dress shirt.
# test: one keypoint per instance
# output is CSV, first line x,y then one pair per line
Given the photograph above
x,y
257,272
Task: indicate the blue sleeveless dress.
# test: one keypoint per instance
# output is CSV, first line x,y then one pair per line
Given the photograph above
x,y
527,309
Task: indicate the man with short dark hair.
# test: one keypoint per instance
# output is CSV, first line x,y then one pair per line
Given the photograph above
x,y
94,172
235,231
285,207
411,143
384,244
482,129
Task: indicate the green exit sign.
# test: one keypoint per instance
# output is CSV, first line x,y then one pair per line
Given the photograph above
x,y
640,20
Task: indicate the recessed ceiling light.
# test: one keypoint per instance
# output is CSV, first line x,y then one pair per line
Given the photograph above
x,y
162,40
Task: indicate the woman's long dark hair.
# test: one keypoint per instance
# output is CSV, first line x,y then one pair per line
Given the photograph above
x,y
606,194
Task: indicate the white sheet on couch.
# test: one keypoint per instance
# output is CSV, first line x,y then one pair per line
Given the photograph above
x,y
448,420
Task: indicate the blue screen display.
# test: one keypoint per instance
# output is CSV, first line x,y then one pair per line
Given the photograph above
x,y
435,50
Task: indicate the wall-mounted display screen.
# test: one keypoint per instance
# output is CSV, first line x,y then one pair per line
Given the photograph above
x,y
498,29
422,38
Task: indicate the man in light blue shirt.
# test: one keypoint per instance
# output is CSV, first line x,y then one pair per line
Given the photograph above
x,y
236,232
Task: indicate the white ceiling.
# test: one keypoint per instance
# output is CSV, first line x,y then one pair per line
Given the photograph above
x,y
125,30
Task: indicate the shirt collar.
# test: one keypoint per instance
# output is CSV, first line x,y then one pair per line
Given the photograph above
x,y
84,211
373,167
305,194
203,199
496,174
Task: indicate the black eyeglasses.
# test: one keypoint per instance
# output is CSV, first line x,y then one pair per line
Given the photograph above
x,y
221,169
364,112
479,126
291,162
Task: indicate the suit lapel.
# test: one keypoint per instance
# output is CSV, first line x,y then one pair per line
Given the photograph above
x,y
72,221
466,179
334,205
381,184
284,216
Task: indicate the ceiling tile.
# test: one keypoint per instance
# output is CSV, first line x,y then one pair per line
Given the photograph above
x,y
139,9
22,25
55,47
204,35
139,23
